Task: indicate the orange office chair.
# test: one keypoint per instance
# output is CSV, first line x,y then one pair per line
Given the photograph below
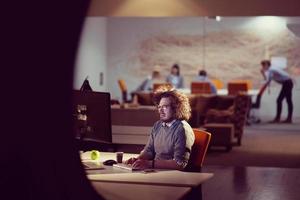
x,y
200,88
218,83
123,89
199,149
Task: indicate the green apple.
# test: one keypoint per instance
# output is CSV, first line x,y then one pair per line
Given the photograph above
x,y
95,155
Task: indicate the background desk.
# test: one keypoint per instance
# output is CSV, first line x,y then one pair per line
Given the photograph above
x,y
132,125
252,92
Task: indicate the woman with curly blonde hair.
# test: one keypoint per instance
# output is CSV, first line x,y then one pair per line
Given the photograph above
x,y
171,139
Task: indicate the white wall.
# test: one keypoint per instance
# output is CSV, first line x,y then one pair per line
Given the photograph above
x,y
111,46
125,36
91,56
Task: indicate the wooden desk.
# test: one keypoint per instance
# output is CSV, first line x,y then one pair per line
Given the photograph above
x,y
161,181
118,191
252,92
86,156
165,178
160,177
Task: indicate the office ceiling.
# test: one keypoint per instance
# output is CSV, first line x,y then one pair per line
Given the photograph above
x,y
163,8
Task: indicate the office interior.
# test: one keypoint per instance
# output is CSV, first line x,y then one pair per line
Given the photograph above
x,y
129,46
127,40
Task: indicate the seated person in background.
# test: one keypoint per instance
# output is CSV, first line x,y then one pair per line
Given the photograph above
x,y
202,77
147,84
171,138
174,78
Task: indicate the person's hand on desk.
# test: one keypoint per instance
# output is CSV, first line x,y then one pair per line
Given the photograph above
x,y
130,161
142,164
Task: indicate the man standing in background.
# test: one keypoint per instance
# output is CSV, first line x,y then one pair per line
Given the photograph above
x,y
282,77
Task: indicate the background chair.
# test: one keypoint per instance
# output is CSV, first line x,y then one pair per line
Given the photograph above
x,y
200,88
248,82
235,114
218,83
235,88
199,149
123,89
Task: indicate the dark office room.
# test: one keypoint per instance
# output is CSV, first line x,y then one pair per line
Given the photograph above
x,y
151,99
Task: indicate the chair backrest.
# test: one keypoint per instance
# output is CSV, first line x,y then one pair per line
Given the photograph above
x,y
199,149
122,85
248,82
218,83
234,88
200,88
123,89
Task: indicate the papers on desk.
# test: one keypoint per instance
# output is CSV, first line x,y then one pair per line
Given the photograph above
x,y
92,165
85,155
88,163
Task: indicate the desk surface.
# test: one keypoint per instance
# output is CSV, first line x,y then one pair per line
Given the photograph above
x,y
86,156
160,177
165,178
117,191
114,183
219,91
222,91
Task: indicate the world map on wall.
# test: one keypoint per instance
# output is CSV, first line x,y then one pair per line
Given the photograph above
x,y
226,55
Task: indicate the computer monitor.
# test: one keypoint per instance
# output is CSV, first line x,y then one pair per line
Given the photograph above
x,y
92,116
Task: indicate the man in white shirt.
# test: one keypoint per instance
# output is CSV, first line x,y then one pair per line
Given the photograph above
x,y
282,77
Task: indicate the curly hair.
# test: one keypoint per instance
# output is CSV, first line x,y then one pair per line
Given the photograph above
x,y
179,101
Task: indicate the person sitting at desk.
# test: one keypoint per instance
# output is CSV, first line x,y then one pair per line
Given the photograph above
x,y
171,138
202,77
175,78
147,84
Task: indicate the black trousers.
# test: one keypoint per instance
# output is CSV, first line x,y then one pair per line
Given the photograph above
x,y
285,92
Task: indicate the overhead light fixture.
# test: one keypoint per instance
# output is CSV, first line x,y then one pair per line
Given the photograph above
x,y
217,18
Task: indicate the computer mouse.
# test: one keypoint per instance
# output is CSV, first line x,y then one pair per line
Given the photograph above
x,y
109,162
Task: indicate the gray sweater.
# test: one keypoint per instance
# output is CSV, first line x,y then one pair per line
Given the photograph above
x,y
170,143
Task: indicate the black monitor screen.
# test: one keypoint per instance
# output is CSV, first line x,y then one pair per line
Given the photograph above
x,y
92,116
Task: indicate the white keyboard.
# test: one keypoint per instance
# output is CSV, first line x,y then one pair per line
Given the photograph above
x,y
124,166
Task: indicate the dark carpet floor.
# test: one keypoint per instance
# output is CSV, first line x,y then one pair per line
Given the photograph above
x,y
267,145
